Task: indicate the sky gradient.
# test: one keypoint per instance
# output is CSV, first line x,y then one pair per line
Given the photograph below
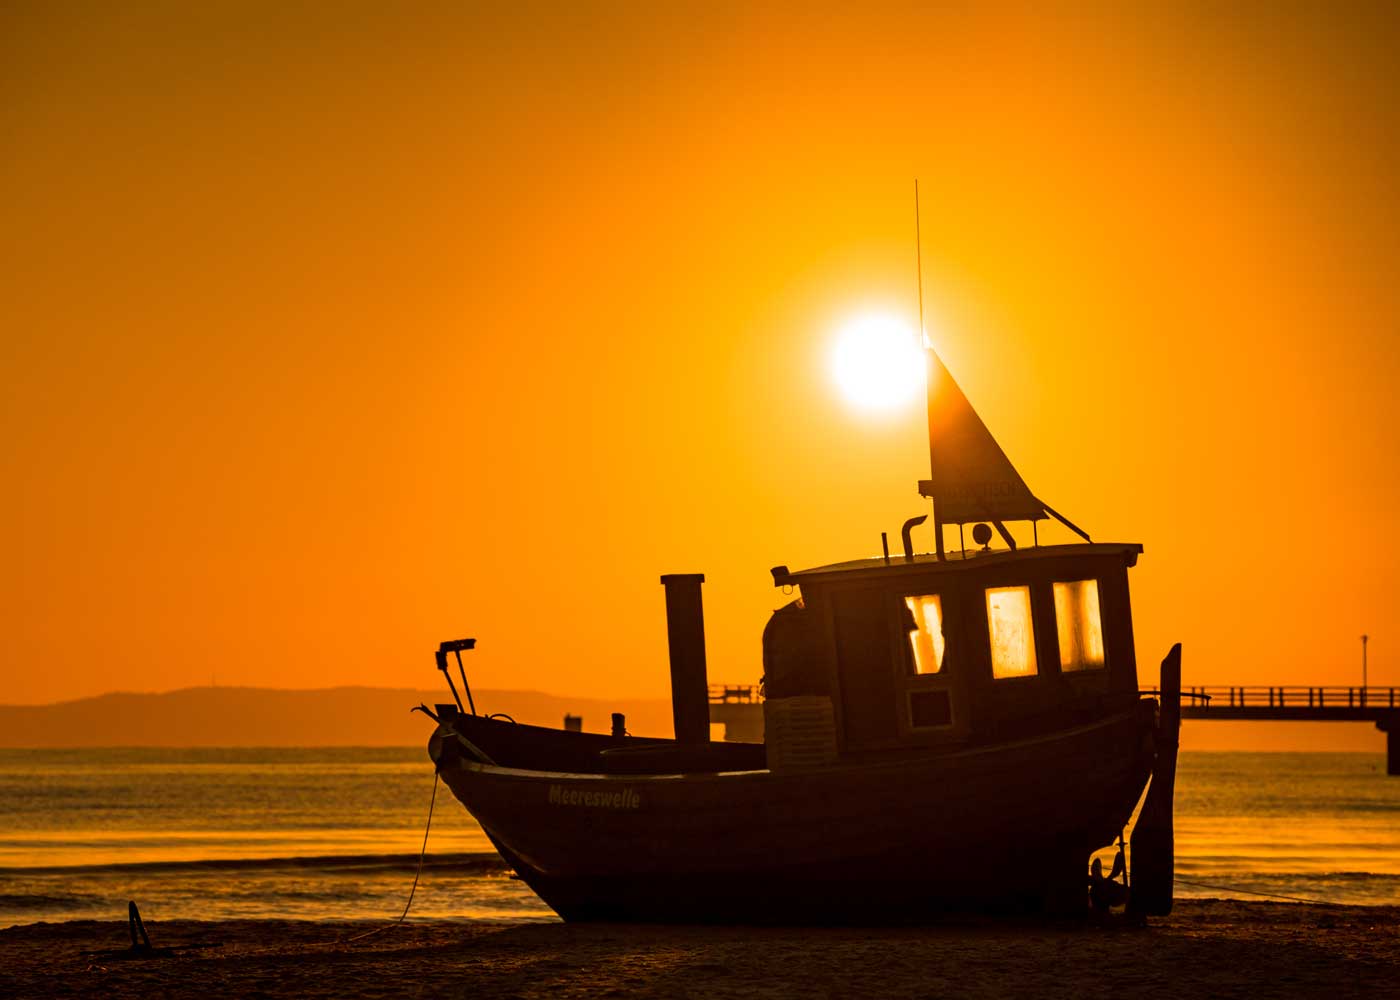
x,y
329,333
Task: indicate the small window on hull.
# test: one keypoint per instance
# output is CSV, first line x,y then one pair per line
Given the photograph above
x,y
1011,633
926,638
1079,624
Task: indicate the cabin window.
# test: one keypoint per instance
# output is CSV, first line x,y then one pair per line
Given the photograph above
x,y
1009,626
1080,626
930,709
926,638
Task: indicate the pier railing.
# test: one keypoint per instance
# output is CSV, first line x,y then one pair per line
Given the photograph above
x,y
1202,697
738,707
735,694
1208,697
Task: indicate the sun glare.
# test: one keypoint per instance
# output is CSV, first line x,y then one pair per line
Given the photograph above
x,y
877,362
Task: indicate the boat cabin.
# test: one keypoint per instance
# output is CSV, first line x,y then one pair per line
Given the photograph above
x,y
978,646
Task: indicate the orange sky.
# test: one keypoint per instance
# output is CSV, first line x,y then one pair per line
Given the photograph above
x,y
328,335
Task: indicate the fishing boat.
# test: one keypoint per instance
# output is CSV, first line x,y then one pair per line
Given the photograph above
x,y
947,731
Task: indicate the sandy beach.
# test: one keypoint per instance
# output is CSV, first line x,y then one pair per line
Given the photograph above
x,y
1207,948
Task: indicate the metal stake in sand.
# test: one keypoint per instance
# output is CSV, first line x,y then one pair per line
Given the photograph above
x,y
135,925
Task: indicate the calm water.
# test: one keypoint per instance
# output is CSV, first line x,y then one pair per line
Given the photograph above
x,y
335,834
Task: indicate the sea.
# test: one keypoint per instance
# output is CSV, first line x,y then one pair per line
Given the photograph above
x,y
337,834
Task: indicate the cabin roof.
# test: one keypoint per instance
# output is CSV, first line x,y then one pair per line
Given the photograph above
x,y
967,559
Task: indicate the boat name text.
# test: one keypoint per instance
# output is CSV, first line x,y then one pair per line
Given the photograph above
x,y
624,799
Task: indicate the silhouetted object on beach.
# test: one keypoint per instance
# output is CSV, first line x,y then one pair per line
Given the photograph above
x,y
951,731
141,941
619,724
954,731
137,926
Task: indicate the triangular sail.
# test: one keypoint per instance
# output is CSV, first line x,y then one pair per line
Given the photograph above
x,y
972,478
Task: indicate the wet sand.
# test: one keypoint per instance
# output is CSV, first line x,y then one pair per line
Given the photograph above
x,y
1207,948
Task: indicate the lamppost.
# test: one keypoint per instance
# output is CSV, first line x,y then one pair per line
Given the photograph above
x,y
1363,666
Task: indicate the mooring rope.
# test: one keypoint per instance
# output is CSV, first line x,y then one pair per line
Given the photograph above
x,y
421,855
1252,892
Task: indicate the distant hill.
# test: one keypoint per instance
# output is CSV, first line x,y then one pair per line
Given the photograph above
x,y
363,716
242,716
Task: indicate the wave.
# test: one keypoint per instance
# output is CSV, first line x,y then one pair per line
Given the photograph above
x,y
1304,876
464,863
22,901
1287,875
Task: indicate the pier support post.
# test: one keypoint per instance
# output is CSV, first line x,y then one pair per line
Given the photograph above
x,y
1390,725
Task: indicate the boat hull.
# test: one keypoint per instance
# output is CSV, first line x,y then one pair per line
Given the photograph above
x,y
998,828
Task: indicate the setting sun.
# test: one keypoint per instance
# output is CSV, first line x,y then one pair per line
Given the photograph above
x,y
877,363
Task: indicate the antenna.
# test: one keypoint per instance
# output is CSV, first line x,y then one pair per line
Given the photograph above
x,y
924,342
919,264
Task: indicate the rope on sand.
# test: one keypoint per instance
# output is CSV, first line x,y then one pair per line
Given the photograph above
x,y
1251,892
421,855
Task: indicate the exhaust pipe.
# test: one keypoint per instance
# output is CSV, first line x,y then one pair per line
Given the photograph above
x,y
904,533
685,636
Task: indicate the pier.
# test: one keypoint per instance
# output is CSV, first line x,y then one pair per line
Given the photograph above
x,y
1297,703
740,708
